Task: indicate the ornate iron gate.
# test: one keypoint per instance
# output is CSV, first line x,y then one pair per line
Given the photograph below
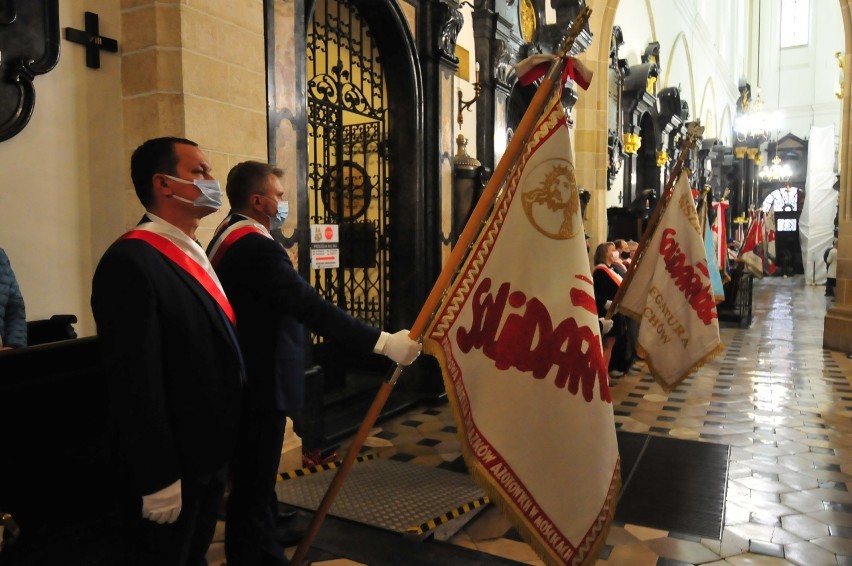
x,y
347,158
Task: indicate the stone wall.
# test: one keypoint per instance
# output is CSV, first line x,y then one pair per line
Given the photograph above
x,y
195,69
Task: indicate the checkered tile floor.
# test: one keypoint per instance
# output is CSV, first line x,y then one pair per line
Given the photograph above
x,y
775,396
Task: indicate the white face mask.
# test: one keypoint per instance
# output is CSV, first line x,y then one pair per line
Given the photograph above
x,y
275,222
282,210
211,193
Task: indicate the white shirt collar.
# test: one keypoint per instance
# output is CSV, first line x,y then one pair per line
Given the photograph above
x,y
178,237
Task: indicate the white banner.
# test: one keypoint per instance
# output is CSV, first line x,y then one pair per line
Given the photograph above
x,y
519,343
670,294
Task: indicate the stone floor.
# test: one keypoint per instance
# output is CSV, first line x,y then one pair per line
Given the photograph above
x,y
780,401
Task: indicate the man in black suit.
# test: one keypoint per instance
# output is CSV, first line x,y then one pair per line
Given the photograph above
x,y
172,362
272,302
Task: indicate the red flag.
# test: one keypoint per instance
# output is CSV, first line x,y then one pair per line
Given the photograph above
x,y
518,340
670,294
751,252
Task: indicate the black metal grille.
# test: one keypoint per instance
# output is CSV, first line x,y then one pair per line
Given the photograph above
x,y
347,158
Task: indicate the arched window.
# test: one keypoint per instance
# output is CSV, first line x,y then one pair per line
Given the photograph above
x,y
784,199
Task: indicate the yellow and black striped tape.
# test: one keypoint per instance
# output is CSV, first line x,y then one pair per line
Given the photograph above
x,y
301,472
447,517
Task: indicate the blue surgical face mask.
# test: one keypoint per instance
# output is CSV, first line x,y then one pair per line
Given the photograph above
x,y
283,209
211,193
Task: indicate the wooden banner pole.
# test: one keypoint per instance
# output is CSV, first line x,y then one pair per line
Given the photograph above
x,y
466,238
501,174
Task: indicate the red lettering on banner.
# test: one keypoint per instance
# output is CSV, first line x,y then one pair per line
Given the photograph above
x,y
686,278
580,298
573,349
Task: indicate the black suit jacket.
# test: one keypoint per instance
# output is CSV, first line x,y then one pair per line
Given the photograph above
x,y
172,366
605,290
272,302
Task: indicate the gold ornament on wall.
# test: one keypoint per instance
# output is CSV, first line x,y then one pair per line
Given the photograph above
x,y
529,20
632,143
650,84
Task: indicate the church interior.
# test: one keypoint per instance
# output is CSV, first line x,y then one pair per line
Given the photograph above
x,y
389,119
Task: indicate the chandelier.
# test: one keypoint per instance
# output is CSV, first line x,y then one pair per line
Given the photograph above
x,y
777,171
754,123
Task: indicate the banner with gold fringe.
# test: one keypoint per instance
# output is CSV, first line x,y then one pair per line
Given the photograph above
x,y
671,296
518,340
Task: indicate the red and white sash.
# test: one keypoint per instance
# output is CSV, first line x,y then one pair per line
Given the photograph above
x,y
171,250
609,271
226,234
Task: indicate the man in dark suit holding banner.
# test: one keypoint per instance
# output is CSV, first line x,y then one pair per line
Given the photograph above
x,y
272,302
172,362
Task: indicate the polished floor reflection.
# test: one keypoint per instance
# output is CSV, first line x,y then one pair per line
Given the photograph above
x,y
781,402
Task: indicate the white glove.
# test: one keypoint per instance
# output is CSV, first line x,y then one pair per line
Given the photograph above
x,y
162,506
606,325
607,305
398,347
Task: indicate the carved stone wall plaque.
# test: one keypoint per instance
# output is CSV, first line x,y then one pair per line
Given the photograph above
x,y
29,46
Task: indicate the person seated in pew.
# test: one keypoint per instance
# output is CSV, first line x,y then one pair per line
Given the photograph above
x,y
13,316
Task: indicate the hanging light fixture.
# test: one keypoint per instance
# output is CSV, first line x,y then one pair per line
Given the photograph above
x,y
754,124
778,171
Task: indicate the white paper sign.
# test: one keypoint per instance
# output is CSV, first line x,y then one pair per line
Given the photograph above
x,y
325,246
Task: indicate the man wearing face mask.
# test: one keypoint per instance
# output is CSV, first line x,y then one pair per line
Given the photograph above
x,y
618,255
272,302
172,362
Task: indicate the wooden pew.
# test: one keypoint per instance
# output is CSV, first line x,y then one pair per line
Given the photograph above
x,y
54,329
55,460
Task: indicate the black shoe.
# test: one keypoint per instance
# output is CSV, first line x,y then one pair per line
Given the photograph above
x,y
285,513
288,536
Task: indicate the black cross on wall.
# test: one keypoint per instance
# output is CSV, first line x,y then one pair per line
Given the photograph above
x,y
93,42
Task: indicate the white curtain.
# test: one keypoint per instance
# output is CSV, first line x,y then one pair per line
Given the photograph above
x,y
816,223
